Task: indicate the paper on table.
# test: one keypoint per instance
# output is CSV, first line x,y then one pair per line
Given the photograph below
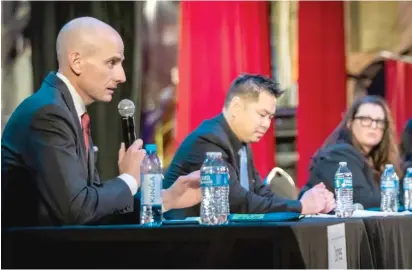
x,y
322,216
365,213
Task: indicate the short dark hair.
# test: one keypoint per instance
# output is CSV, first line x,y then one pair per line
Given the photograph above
x,y
251,85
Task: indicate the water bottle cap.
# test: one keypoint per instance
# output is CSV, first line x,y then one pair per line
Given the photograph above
x,y
409,170
343,163
151,147
388,165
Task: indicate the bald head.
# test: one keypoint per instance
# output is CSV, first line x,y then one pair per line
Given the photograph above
x,y
82,35
90,54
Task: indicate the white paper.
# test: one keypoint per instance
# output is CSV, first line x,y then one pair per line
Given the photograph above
x,y
337,246
364,213
321,216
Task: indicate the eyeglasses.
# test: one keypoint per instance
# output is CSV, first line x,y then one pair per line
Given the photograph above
x,y
367,121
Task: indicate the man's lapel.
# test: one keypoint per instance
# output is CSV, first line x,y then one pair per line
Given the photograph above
x,y
91,164
55,82
94,180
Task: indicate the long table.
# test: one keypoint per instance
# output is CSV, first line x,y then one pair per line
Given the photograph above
x,y
300,244
390,240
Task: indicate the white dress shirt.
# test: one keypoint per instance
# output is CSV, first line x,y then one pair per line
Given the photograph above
x,y
81,109
244,176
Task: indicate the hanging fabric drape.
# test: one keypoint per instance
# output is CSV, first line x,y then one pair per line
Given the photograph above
x,y
321,78
215,47
398,91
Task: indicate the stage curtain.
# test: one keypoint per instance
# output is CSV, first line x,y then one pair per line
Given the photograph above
x,y
218,41
321,78
398,91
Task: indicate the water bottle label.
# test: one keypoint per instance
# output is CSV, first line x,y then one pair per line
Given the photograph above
x,y
338,181
347,182
152,189
214,180
388,185
407,185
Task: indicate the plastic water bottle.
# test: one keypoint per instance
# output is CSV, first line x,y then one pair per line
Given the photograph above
x,y
343,191
389,189
151,188
407,190
214,184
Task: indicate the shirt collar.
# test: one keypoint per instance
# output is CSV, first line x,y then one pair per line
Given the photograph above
x,y
234,141
77,100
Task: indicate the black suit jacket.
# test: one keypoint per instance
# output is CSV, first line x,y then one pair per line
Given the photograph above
x,y
406,146
47,178
215,135
325,164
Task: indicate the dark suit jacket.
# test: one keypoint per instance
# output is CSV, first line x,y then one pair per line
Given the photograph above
x,y
215,135
325,164
406,146
47,178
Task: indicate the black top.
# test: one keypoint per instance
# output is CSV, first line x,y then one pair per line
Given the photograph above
x,y
406,146
215,135
325,164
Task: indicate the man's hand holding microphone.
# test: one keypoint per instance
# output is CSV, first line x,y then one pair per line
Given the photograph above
x,y
130,160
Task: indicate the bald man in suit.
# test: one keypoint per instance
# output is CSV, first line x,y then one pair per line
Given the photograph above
x,y
48,172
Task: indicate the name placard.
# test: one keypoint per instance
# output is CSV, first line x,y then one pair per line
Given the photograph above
x,y
337,247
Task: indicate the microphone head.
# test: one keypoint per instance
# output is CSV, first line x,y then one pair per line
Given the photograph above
x,y
126,108
357,206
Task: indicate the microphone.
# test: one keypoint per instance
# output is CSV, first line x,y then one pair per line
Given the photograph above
x,y
357,206
126,110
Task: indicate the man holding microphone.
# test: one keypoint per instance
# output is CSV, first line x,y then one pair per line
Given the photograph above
x,y
48,178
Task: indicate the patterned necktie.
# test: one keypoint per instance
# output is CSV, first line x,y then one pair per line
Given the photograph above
x,y
86,130
244,177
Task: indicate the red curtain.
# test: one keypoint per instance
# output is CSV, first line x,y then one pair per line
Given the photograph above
x,y
218,41
322,77
398,91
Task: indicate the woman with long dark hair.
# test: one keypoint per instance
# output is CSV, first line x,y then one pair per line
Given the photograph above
x,y
365,139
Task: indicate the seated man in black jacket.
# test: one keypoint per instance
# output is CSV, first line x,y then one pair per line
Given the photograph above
x,y
249,108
